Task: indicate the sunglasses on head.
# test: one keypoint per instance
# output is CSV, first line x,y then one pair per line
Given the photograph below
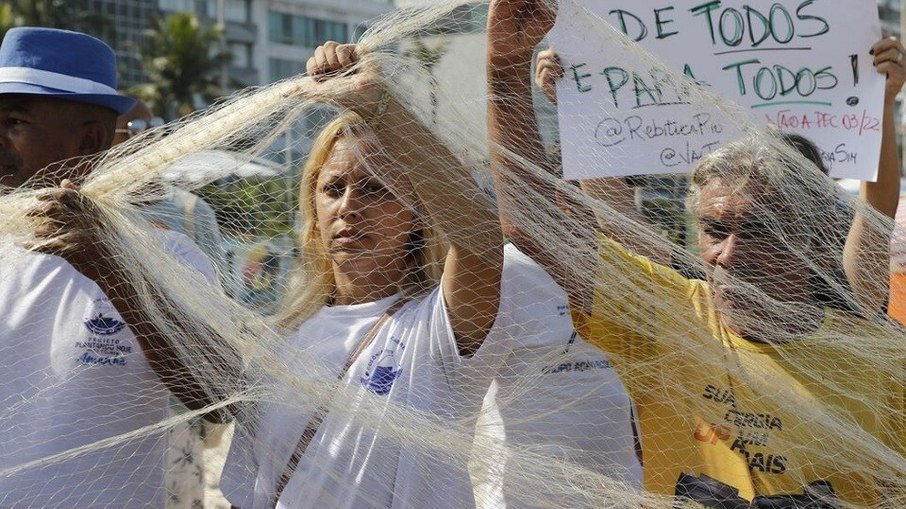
x,y
140,125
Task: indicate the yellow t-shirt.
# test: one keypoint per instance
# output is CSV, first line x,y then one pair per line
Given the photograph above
x,y
729,419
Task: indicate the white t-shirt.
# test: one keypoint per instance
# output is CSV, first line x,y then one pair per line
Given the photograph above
x,y
559,398
74,374
413,362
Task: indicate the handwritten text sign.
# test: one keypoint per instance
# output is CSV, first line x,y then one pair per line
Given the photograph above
x,y
802,65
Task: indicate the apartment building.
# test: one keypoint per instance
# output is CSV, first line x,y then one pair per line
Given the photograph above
x,y
269,39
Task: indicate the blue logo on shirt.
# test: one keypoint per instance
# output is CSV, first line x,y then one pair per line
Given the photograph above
x,y
380,378
104,325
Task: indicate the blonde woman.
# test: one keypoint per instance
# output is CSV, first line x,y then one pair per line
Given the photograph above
x,y
375,185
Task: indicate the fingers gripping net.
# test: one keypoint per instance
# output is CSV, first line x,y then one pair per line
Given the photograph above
x,y
614,381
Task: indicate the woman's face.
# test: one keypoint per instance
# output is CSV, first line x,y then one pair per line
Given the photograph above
x,y
364,228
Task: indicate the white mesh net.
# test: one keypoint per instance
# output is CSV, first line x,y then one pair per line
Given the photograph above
x,y
375,344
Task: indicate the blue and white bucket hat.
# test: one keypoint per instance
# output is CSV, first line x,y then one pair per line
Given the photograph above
x,y
62,64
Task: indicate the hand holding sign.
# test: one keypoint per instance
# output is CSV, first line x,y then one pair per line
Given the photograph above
x,y
888,60
547,71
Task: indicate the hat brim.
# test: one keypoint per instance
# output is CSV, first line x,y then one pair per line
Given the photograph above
x,y
118,103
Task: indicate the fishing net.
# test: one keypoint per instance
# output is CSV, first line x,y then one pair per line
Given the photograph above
x,y
591,362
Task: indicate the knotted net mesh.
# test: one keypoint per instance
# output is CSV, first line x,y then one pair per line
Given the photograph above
x,y
385,349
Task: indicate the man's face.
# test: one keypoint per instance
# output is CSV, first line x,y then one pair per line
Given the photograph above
x,y
745,255
36,134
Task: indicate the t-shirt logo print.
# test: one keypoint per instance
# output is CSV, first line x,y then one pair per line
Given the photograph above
x,y
104,325
104,346
380,375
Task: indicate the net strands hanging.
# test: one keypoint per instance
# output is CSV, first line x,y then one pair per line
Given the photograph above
x,y
539,345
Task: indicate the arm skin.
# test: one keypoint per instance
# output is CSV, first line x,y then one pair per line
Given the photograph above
x,y
514,28
866,257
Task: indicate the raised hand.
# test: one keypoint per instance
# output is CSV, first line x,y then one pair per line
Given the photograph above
x,y
331,59
888,59
71,228
547,71
515,27
348,78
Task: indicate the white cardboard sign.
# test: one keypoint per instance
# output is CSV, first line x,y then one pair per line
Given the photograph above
x,y
802,65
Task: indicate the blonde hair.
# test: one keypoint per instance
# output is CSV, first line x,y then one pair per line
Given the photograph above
x,y
312,283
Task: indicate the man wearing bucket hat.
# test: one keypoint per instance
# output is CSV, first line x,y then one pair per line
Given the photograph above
x,y
81,363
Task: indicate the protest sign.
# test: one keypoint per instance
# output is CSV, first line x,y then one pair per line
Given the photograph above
x,y
802,65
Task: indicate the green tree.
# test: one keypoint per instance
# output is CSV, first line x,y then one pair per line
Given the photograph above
x,y
183,60
6,19
68,14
